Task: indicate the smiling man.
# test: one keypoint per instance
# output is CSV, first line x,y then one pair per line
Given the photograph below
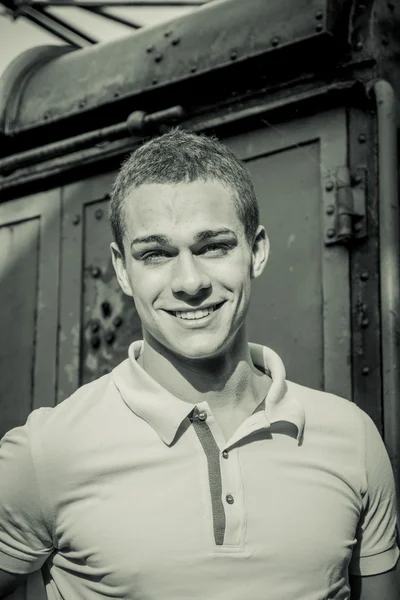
x,y
195,469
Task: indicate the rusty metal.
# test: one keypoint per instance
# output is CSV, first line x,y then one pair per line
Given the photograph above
x,y
389,267
126,66
347,221
136,121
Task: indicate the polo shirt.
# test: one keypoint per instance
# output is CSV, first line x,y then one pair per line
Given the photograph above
x,y
125,491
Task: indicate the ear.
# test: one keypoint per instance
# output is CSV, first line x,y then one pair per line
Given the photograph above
x,y
260,252
120,269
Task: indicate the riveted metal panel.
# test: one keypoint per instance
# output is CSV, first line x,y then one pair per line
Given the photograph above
x,y
215,36
301,303
29,246
97,321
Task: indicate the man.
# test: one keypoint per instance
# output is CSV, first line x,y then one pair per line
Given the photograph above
x,y
195,470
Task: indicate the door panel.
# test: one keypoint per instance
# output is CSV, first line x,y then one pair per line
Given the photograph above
x,y
29,269
29,264
301,304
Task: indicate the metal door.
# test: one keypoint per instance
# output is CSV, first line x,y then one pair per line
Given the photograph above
x,y
301,304
29,268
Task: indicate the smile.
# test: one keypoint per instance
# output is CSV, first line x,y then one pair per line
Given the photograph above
x,y
197,314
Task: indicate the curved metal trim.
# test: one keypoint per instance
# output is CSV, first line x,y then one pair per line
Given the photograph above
x,y
17,74
389,268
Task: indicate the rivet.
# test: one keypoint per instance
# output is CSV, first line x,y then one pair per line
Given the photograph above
x,y
275,42
76,220
109,337
330,233
47,115
362,138
95,341
117,321
99,214
319,27
95,272
358,226
82,103
176,41
319,15
193,69
329,185
364,276
149,49
233,55
366,371
167,33
158,57
365,323
357,179
154,81
95,326
359,45
330,209
117,93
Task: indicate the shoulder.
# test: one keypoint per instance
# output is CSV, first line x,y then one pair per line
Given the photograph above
x,y
327,409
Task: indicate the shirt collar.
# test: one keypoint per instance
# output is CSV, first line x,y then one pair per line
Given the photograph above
x,y
164,412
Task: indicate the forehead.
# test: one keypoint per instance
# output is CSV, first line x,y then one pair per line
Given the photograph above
x,y
180,209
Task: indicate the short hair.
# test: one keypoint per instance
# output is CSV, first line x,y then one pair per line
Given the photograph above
x,y
177,157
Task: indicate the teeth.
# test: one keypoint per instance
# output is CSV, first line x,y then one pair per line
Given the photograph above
x,y
194,314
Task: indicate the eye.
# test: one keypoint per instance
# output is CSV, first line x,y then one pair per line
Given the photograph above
x,y
217,249
154,256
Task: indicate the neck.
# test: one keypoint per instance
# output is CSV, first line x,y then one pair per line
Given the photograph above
x,y
228,382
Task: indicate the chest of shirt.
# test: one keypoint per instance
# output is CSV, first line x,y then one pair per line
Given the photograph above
x,y
126,511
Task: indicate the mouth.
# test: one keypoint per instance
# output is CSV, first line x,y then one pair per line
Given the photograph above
x,y
195,314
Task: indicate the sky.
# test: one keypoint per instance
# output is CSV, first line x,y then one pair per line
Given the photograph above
x,y
17,36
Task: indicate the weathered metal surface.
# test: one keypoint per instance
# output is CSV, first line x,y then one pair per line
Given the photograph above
x,y
14,78
365,317
389,252
314,336
214,36
345,215
29,241
136,122
228,115
110,320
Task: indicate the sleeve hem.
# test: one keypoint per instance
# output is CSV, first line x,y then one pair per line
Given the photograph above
x,y
18,566
375,564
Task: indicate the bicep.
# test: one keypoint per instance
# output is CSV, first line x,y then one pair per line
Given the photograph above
x,y
9,582
385,586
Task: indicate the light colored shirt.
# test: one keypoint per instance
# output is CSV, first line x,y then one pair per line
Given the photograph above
x,y
125,491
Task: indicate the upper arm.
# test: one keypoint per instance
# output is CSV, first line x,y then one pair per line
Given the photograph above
x,y
25,540
8,583
385,586
376,550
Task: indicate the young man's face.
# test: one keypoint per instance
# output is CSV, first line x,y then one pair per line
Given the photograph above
x,y
188,265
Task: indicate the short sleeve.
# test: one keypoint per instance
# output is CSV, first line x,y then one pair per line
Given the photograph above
x,y
25,542
376,550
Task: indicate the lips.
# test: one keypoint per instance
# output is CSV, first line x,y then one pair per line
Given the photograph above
x,y
195,314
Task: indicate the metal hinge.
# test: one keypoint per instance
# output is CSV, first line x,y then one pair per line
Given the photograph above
x,y
345,206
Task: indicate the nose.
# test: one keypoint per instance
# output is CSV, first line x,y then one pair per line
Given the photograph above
x,y
188,277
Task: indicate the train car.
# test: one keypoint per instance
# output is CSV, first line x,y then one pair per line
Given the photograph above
x,y
305,92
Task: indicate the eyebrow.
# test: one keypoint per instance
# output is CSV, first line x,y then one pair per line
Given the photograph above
x,y
202,236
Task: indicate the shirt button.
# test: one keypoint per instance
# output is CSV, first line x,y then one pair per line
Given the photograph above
x,y
230,499
225,454
202,416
